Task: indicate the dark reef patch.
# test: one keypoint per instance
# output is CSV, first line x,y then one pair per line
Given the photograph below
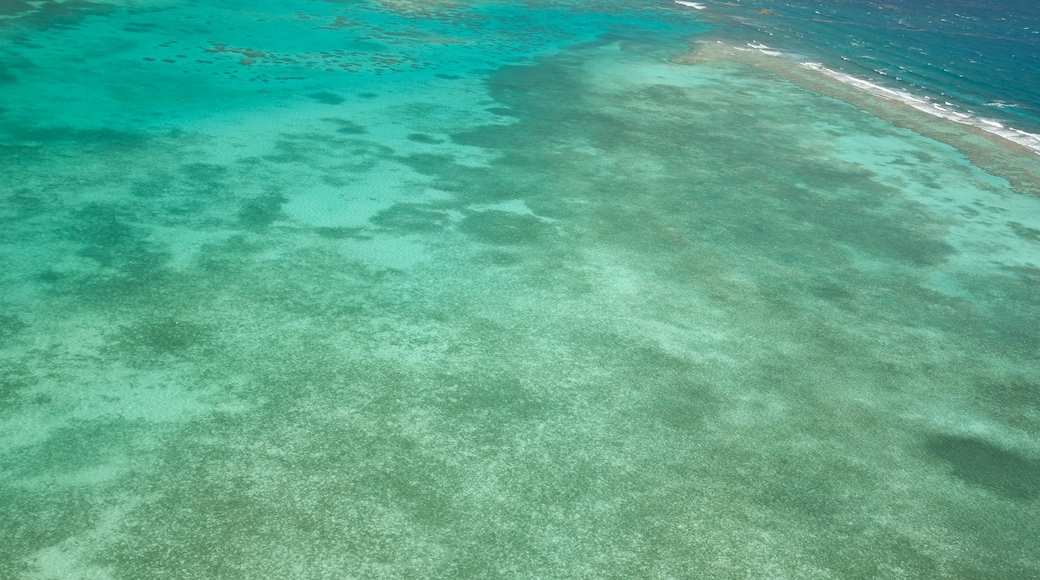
x,y
499,259
504,398
327,98
411,218
340,233
424,138
347,127
146,341
6,78
1025,232
80,445
10,325
204,172
501,227
140,27
110,139
27,203
111,240
257,214
14,377
984,464
1016,393
832,293
49,13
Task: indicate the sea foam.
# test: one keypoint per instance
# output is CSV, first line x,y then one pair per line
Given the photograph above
x,y
1028,140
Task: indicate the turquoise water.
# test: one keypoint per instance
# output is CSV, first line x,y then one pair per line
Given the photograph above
x,y
454,290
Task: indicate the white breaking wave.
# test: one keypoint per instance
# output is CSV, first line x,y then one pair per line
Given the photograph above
x,y
691,4
764,49
1030,141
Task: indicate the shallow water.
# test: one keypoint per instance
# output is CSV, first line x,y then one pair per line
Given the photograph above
x,y
495,290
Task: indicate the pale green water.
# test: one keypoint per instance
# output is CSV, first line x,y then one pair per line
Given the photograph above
x,y
564,310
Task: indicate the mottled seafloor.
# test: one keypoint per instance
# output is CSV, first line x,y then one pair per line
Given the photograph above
x,y
311,289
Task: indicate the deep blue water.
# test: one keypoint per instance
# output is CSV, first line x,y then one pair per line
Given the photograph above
x,y
983,56
495,289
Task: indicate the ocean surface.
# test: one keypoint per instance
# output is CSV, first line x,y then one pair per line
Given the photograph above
x,y
982,56
561,289
967,61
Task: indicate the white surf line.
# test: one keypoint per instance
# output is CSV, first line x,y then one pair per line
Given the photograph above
x,y
691,4
1030,141
764,49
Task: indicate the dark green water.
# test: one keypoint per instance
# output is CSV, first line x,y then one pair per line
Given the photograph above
x,y
421,290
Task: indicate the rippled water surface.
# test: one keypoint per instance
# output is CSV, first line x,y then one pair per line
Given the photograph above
x,y
320,289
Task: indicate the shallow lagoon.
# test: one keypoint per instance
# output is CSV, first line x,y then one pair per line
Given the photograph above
x,y
545,304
